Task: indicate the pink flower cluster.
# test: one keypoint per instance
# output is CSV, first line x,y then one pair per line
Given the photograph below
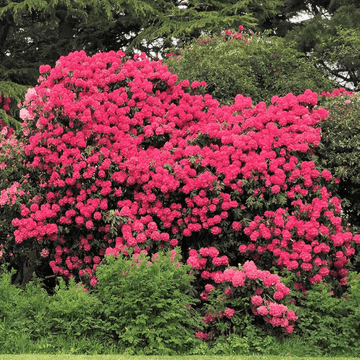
x,y
337,92
295,239
5,105
9,196
228,35
247,276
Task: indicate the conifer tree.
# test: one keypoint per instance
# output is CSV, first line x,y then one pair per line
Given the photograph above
x,y
328,33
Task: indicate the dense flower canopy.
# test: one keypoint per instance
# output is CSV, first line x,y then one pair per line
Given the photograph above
x,y
132,159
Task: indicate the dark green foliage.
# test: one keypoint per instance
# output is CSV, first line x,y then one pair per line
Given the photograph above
x,y
260,69
327,31
16,93
339,151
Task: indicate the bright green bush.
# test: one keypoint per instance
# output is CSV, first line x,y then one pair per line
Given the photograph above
x,y
260,68
329,323
146,304
142,316
23,314
33,321
74,313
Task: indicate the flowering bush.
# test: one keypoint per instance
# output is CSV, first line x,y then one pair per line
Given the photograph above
x,y
238,286
130,160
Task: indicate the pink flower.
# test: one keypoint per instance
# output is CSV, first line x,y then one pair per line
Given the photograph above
x,y
44,69
79,220
236,226
227,292
202,336
324,271
216,230
326,174
275,189
278,295
209,287
89,224
44,252
243,248
97,215
291,315
238,279
256,300
289,329
229,313
262,310
276,309
213,252
173,242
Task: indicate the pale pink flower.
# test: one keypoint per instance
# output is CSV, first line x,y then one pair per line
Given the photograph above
x,y
44,253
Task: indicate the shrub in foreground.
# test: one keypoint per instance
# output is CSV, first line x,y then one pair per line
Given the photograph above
x,y
76,322
141,306
33,321
145,303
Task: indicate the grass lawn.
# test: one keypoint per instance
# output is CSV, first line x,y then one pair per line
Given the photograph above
x,y
127,357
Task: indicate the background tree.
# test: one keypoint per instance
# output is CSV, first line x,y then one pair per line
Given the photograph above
x,y
339,150
328,34
259,66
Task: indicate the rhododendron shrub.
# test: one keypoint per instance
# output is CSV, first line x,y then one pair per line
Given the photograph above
x,y
239,290
132,160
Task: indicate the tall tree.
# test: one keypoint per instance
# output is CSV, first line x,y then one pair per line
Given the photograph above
x,y
35,32
328,33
